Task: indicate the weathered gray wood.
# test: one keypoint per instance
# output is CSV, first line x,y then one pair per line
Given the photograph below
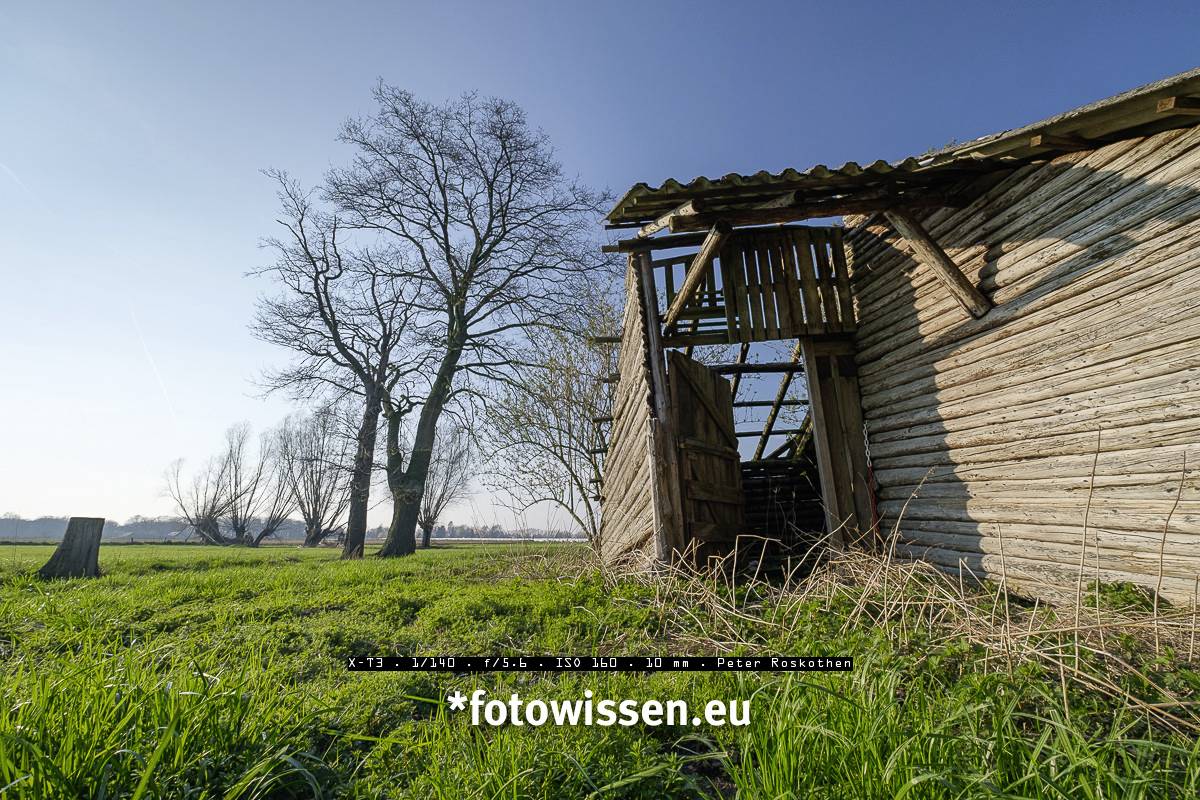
x,y
697,271
665,468
1090,259
841,461
663,222
936,259
78,554
628,509
835,207
701,416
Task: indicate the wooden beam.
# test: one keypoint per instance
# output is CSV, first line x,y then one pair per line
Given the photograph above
x,y
768,403
663,222
780,432
782,201
661,243
833,207
669,242
1048,141
932,255
1179,105
763,367
697,272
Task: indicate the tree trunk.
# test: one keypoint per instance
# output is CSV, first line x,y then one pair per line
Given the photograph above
x,y
395,477
360,478
78,554
312,536
402,534
426,534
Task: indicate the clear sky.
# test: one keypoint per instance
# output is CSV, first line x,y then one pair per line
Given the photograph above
x,y
132,135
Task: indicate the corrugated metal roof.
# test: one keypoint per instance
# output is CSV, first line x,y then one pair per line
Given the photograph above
x,y
1132,113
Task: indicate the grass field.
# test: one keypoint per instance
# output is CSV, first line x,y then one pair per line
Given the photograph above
x,y
199,672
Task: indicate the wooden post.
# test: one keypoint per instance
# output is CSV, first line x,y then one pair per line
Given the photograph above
x,y
664,469
78,554
838,436
934,257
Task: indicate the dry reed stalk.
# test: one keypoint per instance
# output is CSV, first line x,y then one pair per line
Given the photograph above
x,y
1083,543
1192,639
1162,547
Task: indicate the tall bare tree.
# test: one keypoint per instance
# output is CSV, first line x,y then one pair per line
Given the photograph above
x,y
345,313
495,239
254,486
448,479
315,461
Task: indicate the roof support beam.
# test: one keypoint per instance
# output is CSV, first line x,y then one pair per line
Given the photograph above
x,y
667,243
661,243
934,257
697,272
756,369
1179,105
768,403
663,222
1048,141
834,207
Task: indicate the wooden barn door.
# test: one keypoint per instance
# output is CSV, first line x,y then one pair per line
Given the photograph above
x,y
709,462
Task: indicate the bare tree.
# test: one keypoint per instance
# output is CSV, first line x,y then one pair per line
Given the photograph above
x,y
448,479
234,492
278,501
544,433
254,487
202,500
495,240
313,459
344,313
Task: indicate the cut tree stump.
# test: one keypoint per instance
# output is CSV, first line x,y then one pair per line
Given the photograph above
x,y
78,554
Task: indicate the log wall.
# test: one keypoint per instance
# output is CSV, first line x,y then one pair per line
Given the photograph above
x,y
627,516
1074,404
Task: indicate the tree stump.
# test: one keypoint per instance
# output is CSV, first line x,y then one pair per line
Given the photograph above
x,y
78,554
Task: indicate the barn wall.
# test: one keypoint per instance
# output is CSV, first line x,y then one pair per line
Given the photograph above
x,y
627,521
1076,398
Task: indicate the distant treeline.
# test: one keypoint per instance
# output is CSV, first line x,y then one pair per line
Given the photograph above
x,y
170,529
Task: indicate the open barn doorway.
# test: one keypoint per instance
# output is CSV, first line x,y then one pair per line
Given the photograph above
x,y
744,348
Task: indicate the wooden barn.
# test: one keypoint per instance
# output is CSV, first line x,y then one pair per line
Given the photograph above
x,y
998,351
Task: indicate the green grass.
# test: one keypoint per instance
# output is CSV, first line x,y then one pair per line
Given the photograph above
x,y
196,672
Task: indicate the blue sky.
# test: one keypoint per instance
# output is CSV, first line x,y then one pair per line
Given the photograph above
x,y
132,135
